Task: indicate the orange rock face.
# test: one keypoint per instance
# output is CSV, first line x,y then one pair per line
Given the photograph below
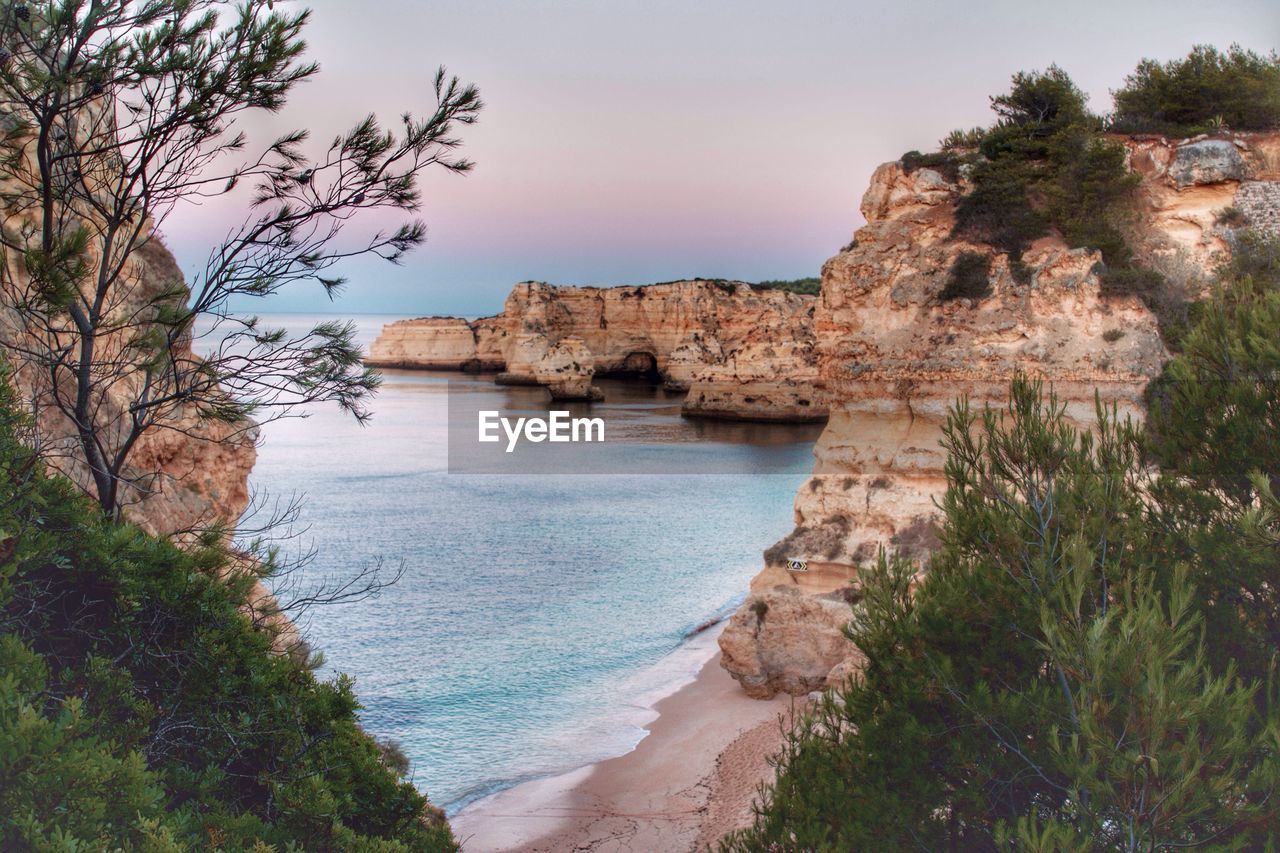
x,y
893,356
203,466
742,353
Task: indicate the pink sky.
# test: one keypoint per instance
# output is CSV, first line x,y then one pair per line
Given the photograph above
x,y
628,142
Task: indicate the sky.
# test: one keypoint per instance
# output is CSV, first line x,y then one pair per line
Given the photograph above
x,y
632,142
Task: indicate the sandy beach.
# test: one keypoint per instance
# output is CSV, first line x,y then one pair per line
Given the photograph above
x,y
688,782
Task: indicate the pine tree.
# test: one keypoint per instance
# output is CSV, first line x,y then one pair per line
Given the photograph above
x,y
1044,683
1214,427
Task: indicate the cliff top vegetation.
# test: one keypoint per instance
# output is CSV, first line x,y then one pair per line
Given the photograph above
x,y
141,708
1089,662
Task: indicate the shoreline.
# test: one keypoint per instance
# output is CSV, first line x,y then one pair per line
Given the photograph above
x,y
691,778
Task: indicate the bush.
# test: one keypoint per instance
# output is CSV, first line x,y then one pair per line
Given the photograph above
x,y
139,707
1202,92
808,286
960,139
1047,165
1040,102
1255,255
1231,217
998,210
1048,685
970,277
945,163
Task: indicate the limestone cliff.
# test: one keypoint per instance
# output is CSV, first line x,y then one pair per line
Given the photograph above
x,y
738,351
203,465
893,356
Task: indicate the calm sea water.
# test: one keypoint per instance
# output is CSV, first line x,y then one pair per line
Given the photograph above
x,y
538,616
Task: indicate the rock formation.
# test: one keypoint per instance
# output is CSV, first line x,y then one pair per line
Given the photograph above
x,y
740,352
203,465
893,356
566,370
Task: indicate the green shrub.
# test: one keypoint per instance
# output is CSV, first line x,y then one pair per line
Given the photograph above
x,y
139,708
1255,255
1046,165
970,277
1231,217
998,210
1049,678
945,163
1205,91
960,139
808,286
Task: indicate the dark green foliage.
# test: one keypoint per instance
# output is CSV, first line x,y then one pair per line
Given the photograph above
x,y
960,139
809,286
139,708
946,163
1090,182
1091,661
998,209
1046,683
1255,255
1046,165
1040,102
1205,91
1214,422
970,277
1231,217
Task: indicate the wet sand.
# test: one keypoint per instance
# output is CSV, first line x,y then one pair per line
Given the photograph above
x,y
687,783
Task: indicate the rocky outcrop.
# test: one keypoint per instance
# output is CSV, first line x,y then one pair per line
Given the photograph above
x,y
449,342
192,471
740,352
566,370
893,356
785,642
1188,188
767,380
1211,161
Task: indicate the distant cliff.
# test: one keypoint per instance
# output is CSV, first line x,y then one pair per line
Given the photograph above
x,y
894,354
740,352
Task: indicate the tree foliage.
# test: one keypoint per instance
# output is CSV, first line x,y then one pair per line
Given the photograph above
x,y
1089,662
810,286
1045,165
141,709
1213,421
118,111
1206,90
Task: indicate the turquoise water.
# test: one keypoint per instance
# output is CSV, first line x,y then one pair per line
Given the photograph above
x,y
537,616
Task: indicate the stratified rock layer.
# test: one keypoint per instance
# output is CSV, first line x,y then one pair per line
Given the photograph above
x,y
741,353
893,356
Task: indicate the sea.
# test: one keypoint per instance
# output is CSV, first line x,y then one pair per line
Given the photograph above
x,y
537,616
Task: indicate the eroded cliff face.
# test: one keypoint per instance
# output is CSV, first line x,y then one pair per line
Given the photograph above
x,y
893,356
741,353
202,466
